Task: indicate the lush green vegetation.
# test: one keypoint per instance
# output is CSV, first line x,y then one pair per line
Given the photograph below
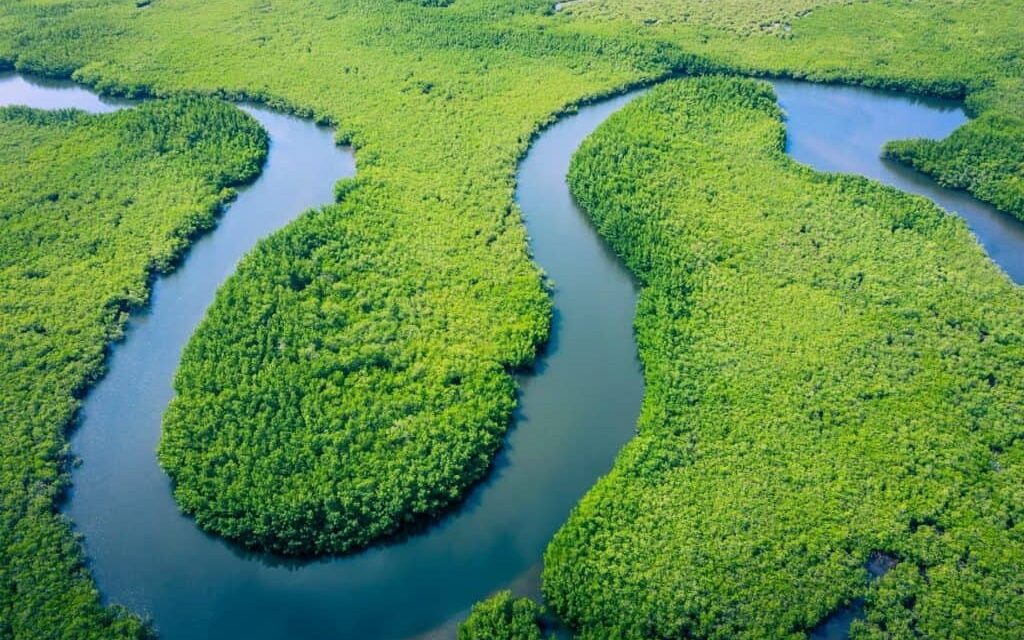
x,y
321,405
429,295
382,382
368,347
354,375
931,46
503,617
833,369
985,158
741,16
90,207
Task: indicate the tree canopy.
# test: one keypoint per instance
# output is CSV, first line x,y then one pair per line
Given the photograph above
x,y
91,207
833,371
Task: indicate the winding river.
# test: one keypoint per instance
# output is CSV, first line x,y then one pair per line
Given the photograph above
x,y
576,410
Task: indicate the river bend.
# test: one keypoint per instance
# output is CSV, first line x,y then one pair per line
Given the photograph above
x,y
576,409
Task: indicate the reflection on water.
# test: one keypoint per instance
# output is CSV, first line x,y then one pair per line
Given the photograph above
x,y
577,409
42,93
835,128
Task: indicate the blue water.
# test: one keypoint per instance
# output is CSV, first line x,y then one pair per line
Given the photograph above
x,y
577,408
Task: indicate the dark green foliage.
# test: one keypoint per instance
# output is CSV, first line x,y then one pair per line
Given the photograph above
x,y
503,617
90,207
833,369
986,157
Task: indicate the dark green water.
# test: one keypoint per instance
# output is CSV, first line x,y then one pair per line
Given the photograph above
x,y
576,411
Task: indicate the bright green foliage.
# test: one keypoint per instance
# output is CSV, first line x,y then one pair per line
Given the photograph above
x,y
355,375
833,369
90,208
326,399
933,46
401,311
986,158
373,360
503,617
742,16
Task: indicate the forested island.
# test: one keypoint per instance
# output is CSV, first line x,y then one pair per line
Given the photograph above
x,y
832,367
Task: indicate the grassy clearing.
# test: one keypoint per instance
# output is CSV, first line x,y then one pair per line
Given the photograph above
x,y
744,17
833,370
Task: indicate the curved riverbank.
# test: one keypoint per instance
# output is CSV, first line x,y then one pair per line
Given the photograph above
x,y
577,409
832,380
146,555
859,121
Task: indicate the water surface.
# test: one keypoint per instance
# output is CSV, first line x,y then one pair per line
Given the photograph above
x,y
576,411
838,128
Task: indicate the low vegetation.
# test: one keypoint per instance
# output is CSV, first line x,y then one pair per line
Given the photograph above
x,y
504,617
91,207
833,370
739,16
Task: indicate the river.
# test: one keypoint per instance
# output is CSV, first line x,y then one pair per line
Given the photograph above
x,y
577,408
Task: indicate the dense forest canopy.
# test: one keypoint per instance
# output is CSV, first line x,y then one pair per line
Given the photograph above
x,y
365,352
833,372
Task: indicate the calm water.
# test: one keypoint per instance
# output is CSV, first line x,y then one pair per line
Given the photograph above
x,y
834,128
576,412
577,409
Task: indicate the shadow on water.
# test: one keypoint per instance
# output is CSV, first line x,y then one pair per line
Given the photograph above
x,y
578,405
843,129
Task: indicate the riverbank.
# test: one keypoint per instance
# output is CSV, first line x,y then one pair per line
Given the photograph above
x,y
94,208
832,373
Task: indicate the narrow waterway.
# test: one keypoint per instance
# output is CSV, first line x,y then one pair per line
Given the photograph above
x,y
577,408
